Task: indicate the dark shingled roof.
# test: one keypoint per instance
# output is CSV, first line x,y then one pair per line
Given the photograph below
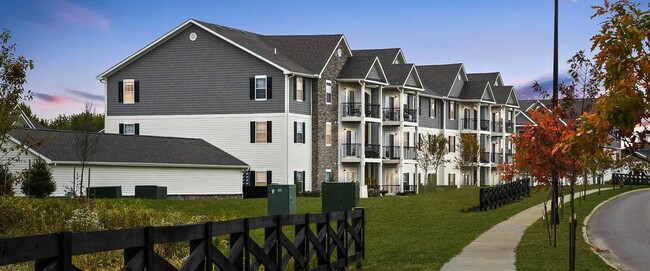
x,y
473,90
386,56
438,79
357,67
501,93
58,146
397,73
487,76
303,54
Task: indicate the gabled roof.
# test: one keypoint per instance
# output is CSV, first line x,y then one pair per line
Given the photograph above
x,y
359,67
474,90
491,77
399,75
387,56
506,95
438,79
305,55
58,146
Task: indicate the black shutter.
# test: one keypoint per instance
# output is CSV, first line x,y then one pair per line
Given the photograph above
x,y
121,128
434,101
269,88
304,181
295,176
120,91
252,132
295,87
252,88
251,177
137,128
269,180
304,134
268,132
137,92
295,132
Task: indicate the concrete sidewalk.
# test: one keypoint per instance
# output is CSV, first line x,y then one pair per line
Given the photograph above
x,y
495,248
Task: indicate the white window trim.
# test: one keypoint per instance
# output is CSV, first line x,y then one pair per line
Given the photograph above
x,y
331,136
303,89
330,172
328,82
266,90
298,127
131,124
132,81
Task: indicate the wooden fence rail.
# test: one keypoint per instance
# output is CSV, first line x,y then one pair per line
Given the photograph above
x,y
630,179
495,196
337,242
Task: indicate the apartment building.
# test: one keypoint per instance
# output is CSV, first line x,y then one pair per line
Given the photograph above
x,y
305,109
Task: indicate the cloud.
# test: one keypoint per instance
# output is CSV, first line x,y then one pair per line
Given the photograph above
x,y
78,14
50,99
85,95
525,89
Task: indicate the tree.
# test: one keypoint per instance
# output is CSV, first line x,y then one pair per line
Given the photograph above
x,y
7,182
85,146
77,122
37,180
12,94
431,150
507,172
622,48
467,161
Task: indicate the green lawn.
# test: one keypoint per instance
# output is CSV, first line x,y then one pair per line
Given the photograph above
x,y
535,253
420,232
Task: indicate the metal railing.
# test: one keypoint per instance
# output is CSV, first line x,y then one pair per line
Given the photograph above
x,y
372,110
372,151
350,150
630,179
509,127
390,152
351,109
468,123
508,158
409,153
496,196
497,127
485,125
391,114
485,157
410,115
497,158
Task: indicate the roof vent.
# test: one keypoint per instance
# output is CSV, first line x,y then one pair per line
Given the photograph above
x,y
275,51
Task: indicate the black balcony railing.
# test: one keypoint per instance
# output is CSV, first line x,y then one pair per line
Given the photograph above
x,y
391,114
468,123
497,127
351,150
391,152
351,109
485,125
509,127
508,158
497,158
410,115
372,110
409,153
372,151
485,157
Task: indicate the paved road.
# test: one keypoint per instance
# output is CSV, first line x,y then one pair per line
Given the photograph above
x,y
623,227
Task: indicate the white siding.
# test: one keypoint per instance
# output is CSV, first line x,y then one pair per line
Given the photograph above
x,y
229,132
300,154
17,166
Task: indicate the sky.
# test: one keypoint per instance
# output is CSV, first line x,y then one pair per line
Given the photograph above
x,y
71,42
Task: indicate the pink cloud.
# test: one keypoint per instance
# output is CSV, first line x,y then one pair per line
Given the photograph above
x,y
75,13
48,99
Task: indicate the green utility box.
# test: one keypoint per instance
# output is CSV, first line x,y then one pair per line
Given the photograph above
x,y
102,192
151,192
281,199
339,196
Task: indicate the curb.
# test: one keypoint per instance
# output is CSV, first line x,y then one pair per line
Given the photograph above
x,y
586,222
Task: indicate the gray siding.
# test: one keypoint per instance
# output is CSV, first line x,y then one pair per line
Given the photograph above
x,y
304,107
456,87
452,124
410,81
374,73
425,119
207,76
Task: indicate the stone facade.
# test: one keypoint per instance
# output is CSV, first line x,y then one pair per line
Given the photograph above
x,y
326,157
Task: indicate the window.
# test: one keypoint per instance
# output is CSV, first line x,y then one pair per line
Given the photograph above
x,y
452,110
260,87
328,175
299,180
299,130
128,91
300,90
328,134
129,129
433,113
260,132
260,178
452,144
452,179
328,92
406,139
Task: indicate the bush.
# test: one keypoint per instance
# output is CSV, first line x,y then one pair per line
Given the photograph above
x,y
37,181
7,182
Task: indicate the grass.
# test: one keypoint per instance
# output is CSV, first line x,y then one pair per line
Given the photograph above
x,y
419,232
535,253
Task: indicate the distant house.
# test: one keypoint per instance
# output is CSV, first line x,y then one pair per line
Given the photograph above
x,y
187,167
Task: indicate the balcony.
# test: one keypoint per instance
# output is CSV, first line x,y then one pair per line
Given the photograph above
x,y
468,124
372,111
485,157
409,153
351,110
509,157
391,114
410,115
509,127
391,152
352,150
497,127
485,125
497,158
372,151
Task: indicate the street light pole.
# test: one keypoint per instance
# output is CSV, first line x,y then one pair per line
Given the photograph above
x,y
554,102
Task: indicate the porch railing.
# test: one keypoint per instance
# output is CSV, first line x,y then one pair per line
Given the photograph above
x,y
409,153
391,114
485,157
468,123
497,127
351,150
372,151
410,115
351,109
485,125
372,110
390,152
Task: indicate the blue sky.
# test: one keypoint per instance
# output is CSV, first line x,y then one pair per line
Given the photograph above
x,y
71,42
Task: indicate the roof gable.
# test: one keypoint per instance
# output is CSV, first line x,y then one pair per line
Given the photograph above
x,y
376,72
413,79
438,80
311,51
488,95
387,56
363,68
512,99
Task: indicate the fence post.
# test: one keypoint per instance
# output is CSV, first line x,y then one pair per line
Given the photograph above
x,y
273,232
65,251
327,240
247,240
148,249
209,248
342,252
303,247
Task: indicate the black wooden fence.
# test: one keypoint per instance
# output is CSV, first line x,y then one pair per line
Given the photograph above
x,y
630,179
495,196
337,242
